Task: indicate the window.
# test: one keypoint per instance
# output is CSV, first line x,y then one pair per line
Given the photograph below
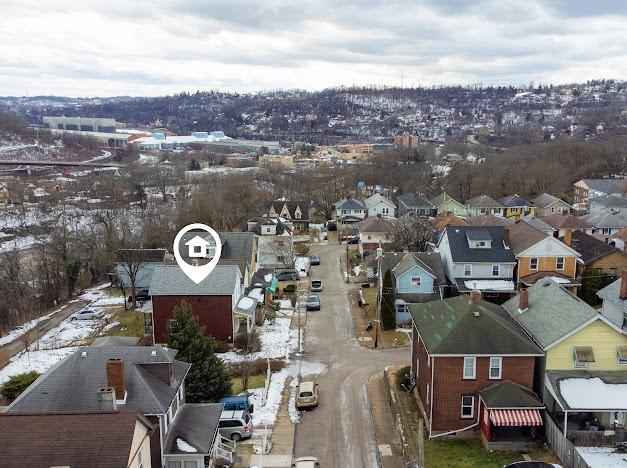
x,y
496,364
559,263
533,263
583,355
468,406
469,367
467,269
607,231
621,355
369,236
496,270
480,244
140,459
416,280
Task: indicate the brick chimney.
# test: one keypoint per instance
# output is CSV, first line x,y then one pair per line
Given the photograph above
x,y
115,377
623,285
106,399
506,236
568,237
475,296
523,300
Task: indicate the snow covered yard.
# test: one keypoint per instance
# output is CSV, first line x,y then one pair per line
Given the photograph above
x,y
603,457
19,331
39,361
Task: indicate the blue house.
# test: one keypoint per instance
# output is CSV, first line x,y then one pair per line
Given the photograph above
x,y
417,276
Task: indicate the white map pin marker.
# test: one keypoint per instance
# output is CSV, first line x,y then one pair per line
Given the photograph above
x,y
197,273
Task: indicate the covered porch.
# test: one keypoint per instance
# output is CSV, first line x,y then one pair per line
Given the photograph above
x,y
244,315
509,417
589,407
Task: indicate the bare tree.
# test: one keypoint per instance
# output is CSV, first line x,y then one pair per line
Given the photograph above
x,y
413,233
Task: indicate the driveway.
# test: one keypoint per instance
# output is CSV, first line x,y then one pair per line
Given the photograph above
x,y
340,432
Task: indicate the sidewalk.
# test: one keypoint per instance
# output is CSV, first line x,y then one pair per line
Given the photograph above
x,y
388,439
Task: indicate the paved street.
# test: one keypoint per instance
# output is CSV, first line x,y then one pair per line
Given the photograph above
x,y
340,432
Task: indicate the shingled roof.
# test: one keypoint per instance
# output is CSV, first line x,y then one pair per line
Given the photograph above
x,y
375,224
590,248
72,384
169,280
523,235
458,326
68,439
461,251
565,221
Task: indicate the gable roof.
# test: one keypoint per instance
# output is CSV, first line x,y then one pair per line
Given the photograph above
x,y
378,199
591,248
546,199
490,220
523,235
71,384
408,262
375,224
611,293
431,262
237,245
196,424
538,223
608,186
444,198
509,394
71,439
483,201
622,234
611,201
350,204
515,200
607,220
411,200
553,313
565,221
450,326
169,280
448,220
278,205
461,251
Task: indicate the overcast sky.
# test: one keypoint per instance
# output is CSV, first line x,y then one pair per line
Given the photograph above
x,y
140,47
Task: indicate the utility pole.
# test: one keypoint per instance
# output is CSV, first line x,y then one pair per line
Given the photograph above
x,y
347,278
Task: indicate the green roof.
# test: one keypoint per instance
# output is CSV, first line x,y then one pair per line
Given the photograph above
x,y
443,198
553,312
456,326
509,395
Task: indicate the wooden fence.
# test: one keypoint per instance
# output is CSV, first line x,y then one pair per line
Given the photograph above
x,y
597,438
564,449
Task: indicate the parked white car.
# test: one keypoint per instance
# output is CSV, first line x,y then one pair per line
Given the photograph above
x,y
306,462
87,314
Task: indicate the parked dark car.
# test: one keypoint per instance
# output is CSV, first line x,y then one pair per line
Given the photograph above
x,y
532,464
313,302
353,240
315,260
141,296
331,226
287,275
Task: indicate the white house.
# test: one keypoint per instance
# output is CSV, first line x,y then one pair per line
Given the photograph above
x,y
378,205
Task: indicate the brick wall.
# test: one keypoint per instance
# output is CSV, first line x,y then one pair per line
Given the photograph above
x,y
450,386
213,312
423,376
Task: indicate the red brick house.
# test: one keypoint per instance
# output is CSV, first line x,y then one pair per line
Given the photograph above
x,y
463,346
213,300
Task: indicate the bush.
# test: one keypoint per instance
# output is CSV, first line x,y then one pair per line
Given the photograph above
x,y
221,347
402,377
301,249
290,288
17,384
248,343
257,366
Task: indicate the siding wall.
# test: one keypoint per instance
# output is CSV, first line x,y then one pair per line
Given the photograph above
x,y
616,261
603,339
213,312
404,284
547,264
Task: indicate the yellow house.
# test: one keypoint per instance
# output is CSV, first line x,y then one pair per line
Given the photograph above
x,y
516,206
585,356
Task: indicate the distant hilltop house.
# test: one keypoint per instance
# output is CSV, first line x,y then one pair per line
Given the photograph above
x,y
484,205
585,189
296,212
445,204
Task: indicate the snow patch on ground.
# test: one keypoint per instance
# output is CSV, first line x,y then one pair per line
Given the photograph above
x,y
39,361
277,342
603,457
19,331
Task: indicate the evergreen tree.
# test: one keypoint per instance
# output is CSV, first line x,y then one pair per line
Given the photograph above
x,y
388,313
207,379
591,282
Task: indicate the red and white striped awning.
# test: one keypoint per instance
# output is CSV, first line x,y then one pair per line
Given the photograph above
x,y
516,417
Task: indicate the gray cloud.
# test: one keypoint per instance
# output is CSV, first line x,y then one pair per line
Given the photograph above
x,y
142,47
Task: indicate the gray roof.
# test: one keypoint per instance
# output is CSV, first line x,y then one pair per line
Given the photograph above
x,y
515,200
611,293
350,204
553,312
169,280
375,224
196,424
461,252
457,326
71,384
608,186
235,245
611,201
414,201
523,235
430,261
547,199
538,223
490,220
606,220
483,201
478,235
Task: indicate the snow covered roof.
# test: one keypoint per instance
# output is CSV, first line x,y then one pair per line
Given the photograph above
x,y
587,390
